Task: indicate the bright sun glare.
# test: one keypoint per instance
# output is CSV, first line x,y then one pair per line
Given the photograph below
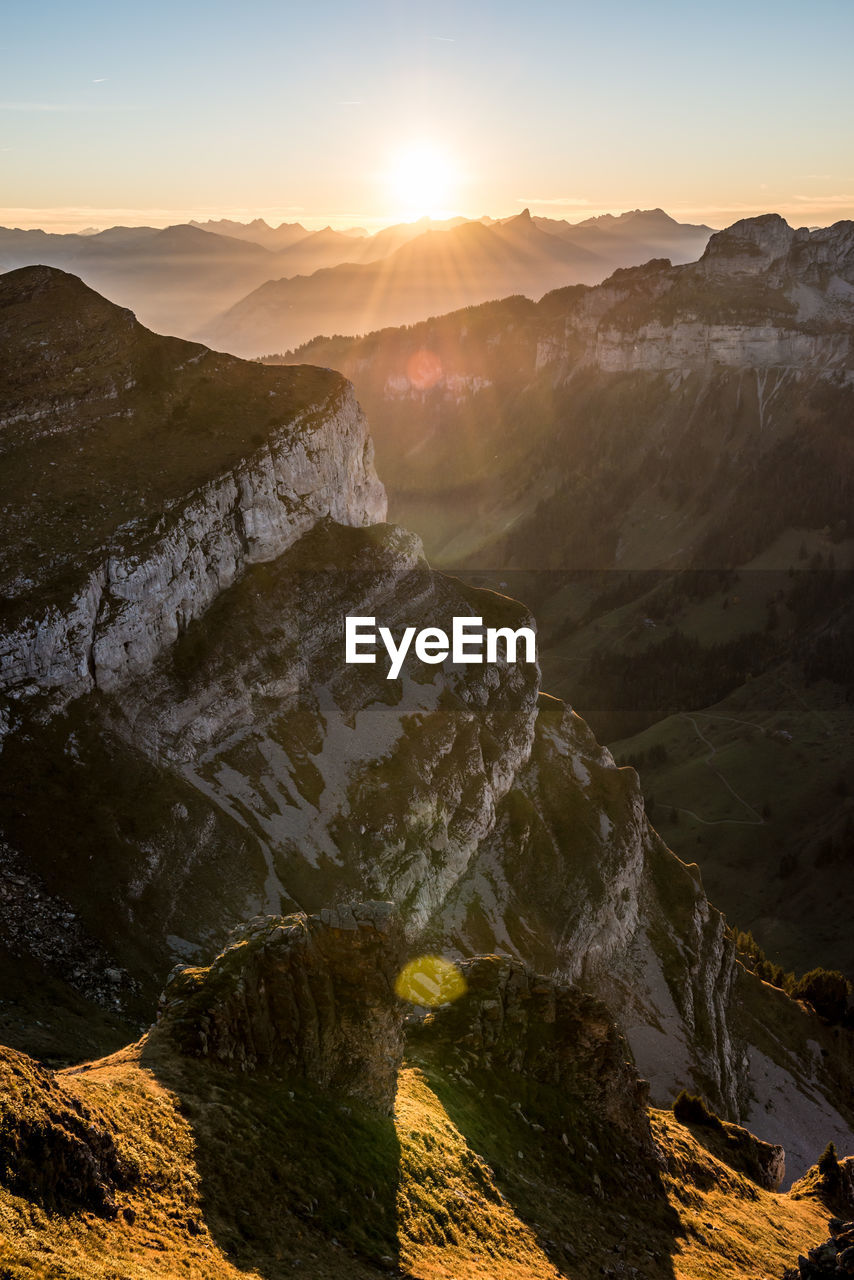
x,y
422,180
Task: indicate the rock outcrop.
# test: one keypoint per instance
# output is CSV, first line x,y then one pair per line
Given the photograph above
x,y
306,995
764,1161
753,246
830,1260
545,1030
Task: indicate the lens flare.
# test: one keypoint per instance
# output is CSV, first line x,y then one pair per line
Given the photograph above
x,y
424,369
430,981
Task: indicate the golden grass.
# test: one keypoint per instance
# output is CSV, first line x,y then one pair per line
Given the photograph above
x,y
733,1229
239,1177
452,1218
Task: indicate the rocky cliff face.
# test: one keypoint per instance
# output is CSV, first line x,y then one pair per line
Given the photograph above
x,y
762,295
572,860
136,575
271,771
545,1030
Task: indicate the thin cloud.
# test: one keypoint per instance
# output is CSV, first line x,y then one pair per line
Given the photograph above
x,y
72,217
829,202
100,80
444,39
350,102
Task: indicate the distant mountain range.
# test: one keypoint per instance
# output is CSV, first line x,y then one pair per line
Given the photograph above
x,y
442,270
251,288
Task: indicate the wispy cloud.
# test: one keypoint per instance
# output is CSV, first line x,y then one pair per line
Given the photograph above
x,y
827,202
100,80
350,102
444,39
73,217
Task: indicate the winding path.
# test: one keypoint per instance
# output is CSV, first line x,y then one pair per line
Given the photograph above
x,y
757,820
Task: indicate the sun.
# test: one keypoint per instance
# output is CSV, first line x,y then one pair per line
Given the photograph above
x,y
421,180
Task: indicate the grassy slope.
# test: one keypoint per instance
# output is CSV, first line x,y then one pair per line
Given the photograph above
x,y
246,1176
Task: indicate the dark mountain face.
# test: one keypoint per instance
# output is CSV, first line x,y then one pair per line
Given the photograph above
x,y
661,467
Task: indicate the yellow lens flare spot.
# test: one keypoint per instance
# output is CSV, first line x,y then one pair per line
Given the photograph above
x,y
430,981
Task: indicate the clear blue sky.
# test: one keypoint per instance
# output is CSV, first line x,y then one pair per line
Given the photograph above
x,y
119,112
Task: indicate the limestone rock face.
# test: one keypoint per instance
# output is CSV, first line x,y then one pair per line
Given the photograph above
x,y
52,1148
763,296
305,995
756,245
266,774
235,467
751,245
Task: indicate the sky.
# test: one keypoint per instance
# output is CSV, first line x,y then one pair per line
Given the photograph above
x,y
374,112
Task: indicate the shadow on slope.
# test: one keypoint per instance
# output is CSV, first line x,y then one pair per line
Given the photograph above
x,y
290,1178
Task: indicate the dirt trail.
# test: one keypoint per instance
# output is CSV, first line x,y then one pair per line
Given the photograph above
x,y
757,820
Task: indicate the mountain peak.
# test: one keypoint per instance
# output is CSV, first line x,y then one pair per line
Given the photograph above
x,y
750,245
53,296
